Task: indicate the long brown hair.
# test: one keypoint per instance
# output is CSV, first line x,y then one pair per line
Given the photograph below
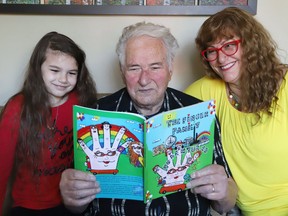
x,y
36,109
261,70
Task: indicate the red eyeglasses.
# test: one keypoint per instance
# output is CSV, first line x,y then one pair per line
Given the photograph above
x,y
229,49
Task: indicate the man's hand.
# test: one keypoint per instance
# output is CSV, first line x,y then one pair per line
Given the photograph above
x,y
212,183
78,189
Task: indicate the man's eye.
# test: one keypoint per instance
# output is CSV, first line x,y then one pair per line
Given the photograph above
x,y
134,69
155,67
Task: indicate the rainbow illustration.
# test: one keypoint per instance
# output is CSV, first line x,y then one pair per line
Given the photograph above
x,y
85,134
203,136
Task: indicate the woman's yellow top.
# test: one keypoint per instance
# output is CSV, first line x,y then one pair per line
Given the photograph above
x,y
257,154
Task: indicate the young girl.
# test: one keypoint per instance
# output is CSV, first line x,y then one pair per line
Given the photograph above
x,y
36,126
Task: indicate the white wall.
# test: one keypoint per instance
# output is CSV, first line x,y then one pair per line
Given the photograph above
x,y
98,36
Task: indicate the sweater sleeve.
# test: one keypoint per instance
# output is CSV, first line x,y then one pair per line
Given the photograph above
x,y
9,131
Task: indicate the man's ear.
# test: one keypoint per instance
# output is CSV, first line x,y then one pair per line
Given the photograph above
x,y
170,75
171,69
123,75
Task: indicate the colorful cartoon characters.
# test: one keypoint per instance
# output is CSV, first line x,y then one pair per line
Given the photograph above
x,y
136,153
103,155
173,174
104,159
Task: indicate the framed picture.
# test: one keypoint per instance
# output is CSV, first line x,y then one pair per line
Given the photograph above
x,y
123,7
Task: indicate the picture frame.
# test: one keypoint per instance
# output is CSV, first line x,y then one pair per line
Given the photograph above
x,y
198,9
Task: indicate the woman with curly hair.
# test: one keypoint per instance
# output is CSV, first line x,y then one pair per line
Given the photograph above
x,y
248,81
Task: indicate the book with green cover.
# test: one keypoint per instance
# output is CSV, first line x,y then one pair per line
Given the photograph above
x,y
143,159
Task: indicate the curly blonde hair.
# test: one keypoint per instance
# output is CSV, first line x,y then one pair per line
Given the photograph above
x,y
261,71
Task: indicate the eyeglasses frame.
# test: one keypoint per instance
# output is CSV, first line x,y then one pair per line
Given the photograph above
x,y
220,49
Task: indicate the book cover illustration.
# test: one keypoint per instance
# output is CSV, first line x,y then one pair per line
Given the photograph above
x,y
177,143
111,146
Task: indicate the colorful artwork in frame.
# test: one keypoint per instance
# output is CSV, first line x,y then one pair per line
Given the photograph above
x,y
119,2
21,1
199,2
223,2
170,2
123,7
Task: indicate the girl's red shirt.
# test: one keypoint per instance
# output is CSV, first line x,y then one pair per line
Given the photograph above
x,y
39,191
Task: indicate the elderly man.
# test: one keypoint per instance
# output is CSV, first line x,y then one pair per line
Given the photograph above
x,y
146,53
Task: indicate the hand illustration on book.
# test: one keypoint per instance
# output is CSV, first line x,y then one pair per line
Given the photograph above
x,y
172,176
104,159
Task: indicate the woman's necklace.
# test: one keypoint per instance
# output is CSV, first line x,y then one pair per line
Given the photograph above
x,y
233,98
52,128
